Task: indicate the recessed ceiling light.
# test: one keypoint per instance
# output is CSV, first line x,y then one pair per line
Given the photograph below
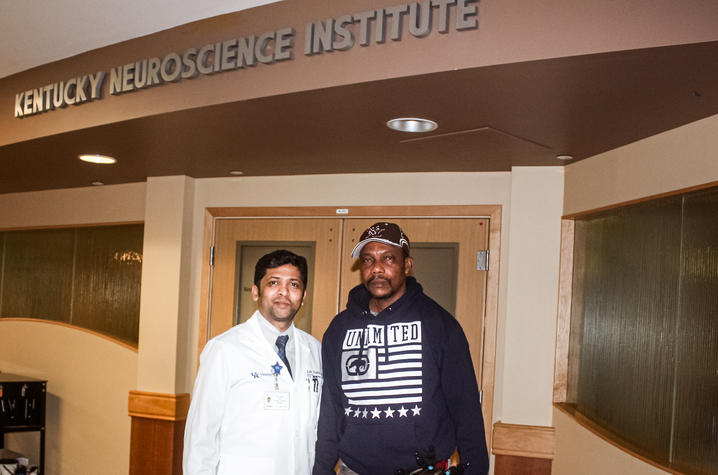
x,y
564,157
236,172
97,183
412,124
95,158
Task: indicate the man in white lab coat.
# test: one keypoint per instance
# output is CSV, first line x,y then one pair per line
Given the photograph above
x,y
256,398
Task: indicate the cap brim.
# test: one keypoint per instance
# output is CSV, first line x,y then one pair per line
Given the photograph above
x,y
360,245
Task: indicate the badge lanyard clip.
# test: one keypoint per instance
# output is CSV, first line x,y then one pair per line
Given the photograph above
x,y
277,368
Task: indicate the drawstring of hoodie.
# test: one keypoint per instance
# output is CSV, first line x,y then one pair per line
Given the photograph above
x,y
369,315
365,330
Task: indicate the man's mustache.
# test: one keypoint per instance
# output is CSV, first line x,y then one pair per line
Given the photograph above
x,y
376,277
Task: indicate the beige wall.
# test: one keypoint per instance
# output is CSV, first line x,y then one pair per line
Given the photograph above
x,y
527,341
89,377
680,158
579,451
164,317
73,206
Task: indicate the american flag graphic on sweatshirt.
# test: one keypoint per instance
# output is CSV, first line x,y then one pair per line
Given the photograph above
x,y
381,365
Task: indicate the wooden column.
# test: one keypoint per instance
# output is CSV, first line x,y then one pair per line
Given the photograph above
x,y
157,432
521,449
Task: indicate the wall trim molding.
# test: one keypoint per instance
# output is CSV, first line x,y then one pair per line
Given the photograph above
x,y
166,407
397,211
70,226
524,441
563,316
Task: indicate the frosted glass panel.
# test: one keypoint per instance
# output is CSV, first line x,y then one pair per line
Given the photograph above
x,y
643,359
108,269
696,428
629,279
37,274
88,276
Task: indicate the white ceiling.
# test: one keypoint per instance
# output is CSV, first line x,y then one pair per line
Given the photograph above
x,y
36,32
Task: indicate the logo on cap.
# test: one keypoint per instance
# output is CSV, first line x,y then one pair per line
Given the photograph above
x,y
387,233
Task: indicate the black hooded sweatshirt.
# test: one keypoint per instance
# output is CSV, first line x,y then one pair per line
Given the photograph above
x,y
396,383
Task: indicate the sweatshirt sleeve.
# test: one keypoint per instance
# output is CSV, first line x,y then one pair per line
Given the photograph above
x,y
462,397
330,412
204,420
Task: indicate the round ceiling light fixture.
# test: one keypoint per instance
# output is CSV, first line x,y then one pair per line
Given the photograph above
x,y
564,157
236,173
96,158
412,124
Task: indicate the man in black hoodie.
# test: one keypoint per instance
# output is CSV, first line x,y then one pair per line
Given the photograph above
x,y
398,377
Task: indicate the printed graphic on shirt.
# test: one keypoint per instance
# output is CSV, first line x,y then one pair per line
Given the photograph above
x,y
381,366
360,365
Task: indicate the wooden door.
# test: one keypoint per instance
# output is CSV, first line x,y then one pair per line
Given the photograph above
x,y
238,243
445,263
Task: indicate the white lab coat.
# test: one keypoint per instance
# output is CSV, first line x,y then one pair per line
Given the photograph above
x,y
231,429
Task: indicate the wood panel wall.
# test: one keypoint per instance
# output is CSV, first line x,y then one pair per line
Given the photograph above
x,y
157,433
523,449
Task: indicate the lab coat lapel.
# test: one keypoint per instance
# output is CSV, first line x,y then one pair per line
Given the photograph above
x,y
268,350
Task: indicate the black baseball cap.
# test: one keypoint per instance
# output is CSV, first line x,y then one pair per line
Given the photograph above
x,y
387,233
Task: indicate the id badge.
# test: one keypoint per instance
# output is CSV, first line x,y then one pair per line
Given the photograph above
x,y
276,401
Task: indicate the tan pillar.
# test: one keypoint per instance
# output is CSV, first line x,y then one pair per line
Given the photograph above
x,y
159,406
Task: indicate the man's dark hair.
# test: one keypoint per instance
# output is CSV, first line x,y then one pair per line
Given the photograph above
x,y
279,258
